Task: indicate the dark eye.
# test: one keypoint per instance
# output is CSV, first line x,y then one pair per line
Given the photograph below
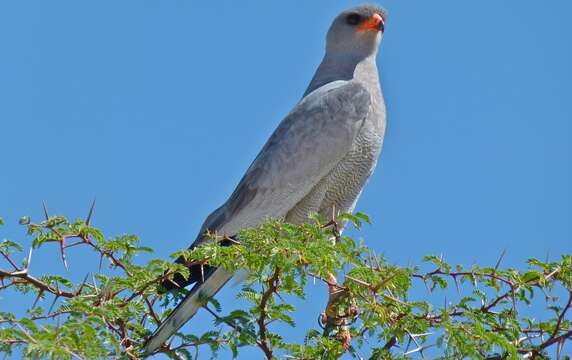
x,y
353,19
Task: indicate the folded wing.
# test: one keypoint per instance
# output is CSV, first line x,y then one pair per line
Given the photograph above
x,y
305,147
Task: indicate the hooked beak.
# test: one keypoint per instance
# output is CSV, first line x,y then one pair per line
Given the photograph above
x,y
373,23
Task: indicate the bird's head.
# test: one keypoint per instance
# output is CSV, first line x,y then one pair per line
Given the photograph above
x,y
357,31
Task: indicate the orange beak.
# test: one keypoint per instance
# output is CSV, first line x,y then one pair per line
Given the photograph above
x,y
373,23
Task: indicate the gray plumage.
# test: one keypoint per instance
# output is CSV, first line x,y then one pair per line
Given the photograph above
x,y
318,159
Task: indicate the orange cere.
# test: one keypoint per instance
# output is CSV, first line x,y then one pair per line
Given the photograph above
x,y
371,24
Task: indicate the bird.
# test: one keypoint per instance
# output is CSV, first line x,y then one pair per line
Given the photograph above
x,y
317,159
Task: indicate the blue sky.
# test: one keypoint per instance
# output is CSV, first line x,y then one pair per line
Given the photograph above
x,y
157,109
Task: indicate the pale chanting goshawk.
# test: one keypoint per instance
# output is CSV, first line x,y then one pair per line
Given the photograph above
x,y
318,158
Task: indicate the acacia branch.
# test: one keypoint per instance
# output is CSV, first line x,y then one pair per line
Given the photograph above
x,y
454,274
9,260
22,276
561,316
557,339
272,288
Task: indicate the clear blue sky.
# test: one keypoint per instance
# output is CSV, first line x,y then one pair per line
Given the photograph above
x,y
158,107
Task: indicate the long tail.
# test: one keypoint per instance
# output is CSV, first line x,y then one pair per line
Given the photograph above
x,y
187,308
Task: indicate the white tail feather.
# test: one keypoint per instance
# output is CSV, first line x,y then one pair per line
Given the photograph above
x,y
187,308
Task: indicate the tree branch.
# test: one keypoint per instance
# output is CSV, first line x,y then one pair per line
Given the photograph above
x,y
272,287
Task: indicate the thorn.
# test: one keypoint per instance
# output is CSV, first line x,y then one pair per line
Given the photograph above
x,y
419,347
45,210
40,293
500,259
333,280
202,273
100,261
559,348
409,340
422,334
457,285
552,273
88,219
82,284
95,284
426,286
63,252
174,283
419,350
74,244
29,262
53,303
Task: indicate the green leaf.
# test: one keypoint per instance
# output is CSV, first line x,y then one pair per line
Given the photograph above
x,y
215,303
7,246
363,217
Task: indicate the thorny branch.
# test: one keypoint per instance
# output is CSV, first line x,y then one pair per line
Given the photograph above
x,y
270,290
21,276
336,289
339,294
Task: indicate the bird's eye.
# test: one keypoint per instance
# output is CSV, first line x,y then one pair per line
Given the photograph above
x,y
353,19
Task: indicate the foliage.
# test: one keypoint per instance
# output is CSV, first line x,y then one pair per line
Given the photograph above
x,y
370,308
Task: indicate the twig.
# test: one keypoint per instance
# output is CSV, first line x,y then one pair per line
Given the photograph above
x,y
561,316
221,320
9,260
152,312
90,214
272,287
26,278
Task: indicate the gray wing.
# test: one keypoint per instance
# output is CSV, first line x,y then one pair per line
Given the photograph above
x,y
305,147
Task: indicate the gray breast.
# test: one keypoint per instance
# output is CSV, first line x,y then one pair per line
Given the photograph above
x,y
339,190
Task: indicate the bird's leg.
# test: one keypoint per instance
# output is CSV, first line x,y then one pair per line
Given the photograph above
x,y
335,316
